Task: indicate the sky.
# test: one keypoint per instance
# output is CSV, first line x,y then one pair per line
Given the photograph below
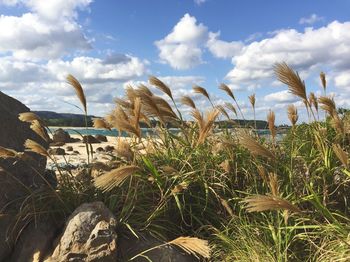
x,y
108,45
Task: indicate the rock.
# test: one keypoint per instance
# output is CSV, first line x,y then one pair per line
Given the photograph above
x,y
57,144
13,134
90,139
74,140
109,148
99,150
69,148
129,246
57,151
101,138
89,235
61,136
76,152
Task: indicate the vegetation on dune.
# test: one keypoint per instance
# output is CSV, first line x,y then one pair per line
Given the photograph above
x,y
252,199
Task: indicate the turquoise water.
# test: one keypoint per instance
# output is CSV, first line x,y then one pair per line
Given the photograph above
x,y
114,132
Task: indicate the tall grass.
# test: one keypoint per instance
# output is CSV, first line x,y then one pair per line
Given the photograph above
x,y
253,199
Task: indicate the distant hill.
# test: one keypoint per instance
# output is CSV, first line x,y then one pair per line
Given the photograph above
x,y
78,120
64,119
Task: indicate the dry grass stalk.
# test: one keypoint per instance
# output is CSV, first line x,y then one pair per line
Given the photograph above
x,y
228,90
262,173
261,203
36,148
323,80
123,149
273,184
292,79
201,90
313,101
292,114
226,166
328,105
179,188
338,125
9,153
252,100
40,130
29,117
223,111
341,154
123,123
78,90
114,178
231,108
160,85
123,103
271,123
227,207
205,124
193,246
255,147
186,100
143,90
100,123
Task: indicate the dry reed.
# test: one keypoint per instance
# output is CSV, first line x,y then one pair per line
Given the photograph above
x,y
292,114
193,246
78,90
186,100
255,147
160,85
36,148
261,203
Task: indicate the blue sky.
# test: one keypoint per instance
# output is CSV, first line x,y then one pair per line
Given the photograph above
x,y
109,44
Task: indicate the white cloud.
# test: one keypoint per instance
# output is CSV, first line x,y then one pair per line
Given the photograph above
x,y
49,30
223,49
281,97
304,51
182,47
311,19
199,2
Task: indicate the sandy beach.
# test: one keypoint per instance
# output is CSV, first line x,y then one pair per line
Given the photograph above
x,y
78,156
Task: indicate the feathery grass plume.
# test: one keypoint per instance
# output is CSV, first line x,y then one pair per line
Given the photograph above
x,y
186,100
271,123
341,154
164,107
228,90
255,147
36,148
122,122
78,90
201,90
142,89
226,166
137,112
262,172
100,123
261,203
123,149
114,178
292,114
323,80
179,188
205,124
130,93
273,184
338,124
313,101
292,79
223,111
29,117
9,153
40,130
160,85
231,108
123,103
252,100
328,105
193,246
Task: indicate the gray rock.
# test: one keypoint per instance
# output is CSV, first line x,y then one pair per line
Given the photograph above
x,y
61,136
90,139
99,149
101,138
89,235
13,134
57,151
69,148
109,148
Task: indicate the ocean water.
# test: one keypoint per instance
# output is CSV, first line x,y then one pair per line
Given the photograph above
x,y
145,131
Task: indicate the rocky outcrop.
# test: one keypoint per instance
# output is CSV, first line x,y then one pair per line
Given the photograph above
x,y
57,151
89,235
14,175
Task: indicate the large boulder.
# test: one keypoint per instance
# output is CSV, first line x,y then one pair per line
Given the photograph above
x,y
90,140
15,175
89,235
61,136
101,138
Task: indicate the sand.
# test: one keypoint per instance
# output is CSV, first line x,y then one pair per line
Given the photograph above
x,y
81,158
